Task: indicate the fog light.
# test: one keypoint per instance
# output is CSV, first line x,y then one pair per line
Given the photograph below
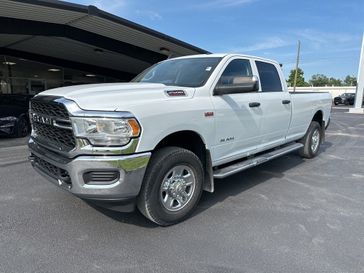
x,y
101,177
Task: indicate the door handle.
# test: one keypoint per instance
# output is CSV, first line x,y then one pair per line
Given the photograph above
x,y
254,104
286,101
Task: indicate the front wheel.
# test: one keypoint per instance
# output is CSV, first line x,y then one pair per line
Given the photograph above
x,y
172,186
311,141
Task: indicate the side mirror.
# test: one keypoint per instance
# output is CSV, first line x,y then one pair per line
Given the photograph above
x,y
238,85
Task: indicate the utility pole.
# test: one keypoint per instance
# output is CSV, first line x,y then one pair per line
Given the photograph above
x,y
297,62
358,109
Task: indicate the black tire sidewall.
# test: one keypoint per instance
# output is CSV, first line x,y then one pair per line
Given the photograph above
x,y
307,151
22,122
154,178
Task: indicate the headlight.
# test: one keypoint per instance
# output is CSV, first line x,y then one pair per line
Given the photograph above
x,y
106,131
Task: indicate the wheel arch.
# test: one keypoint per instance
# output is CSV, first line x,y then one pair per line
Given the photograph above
x,y
195,143
319,117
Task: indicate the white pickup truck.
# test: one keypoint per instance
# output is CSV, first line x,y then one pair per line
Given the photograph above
x,y
159,141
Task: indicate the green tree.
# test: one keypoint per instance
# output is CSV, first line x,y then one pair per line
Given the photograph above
x,y
335,82
319,80
350,81
300,78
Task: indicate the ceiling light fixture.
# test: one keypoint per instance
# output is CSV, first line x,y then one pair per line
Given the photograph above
x,y
90,75
54,69
164,50
9,63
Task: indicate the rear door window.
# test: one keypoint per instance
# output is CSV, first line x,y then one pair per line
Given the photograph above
x,y
269,77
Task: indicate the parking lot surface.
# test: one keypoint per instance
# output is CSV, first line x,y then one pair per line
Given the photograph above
x,y
288,215
12,141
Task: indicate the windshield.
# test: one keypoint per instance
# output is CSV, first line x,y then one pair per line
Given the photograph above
x,y
191,72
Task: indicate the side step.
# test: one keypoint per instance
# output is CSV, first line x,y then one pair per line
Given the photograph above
x,y
252,162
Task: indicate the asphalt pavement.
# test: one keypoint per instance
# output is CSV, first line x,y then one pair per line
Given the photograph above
x,y
12,141
288,215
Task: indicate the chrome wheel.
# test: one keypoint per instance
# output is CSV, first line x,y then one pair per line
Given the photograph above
x,y
177,188
315,140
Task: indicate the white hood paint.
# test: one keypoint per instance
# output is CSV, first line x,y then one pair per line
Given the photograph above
x,y
117,96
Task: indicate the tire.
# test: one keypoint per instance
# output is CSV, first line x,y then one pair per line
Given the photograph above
x,y
22,128
311,141
336,103
162,184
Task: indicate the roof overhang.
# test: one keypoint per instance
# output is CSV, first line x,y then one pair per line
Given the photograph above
x,y
83,37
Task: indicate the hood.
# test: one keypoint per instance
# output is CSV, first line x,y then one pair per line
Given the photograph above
x,y
118,96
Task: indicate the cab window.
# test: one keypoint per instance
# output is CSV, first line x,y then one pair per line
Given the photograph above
x,y
236,68
269,77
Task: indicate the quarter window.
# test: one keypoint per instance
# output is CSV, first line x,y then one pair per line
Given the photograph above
x,y
269,77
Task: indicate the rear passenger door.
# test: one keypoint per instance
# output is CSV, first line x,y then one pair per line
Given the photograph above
x,y
276,106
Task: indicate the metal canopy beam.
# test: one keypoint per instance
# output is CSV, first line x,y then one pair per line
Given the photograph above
x,y
27,27
94,11
68,64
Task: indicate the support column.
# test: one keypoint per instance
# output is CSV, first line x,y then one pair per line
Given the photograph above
x,y
358,109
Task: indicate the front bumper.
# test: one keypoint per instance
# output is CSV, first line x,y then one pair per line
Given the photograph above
x,y
69,173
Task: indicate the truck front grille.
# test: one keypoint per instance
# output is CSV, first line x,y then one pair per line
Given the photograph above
x,y
46,132
59,137
50,109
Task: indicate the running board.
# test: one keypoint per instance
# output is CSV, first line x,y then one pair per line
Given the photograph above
x,y
252,162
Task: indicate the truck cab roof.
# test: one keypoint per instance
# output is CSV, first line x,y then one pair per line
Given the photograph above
x,y
227,55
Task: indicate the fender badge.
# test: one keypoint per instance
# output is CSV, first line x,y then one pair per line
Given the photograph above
x,y
176,93
209,114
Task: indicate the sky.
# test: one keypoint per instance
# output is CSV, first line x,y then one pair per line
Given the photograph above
x,y
330,31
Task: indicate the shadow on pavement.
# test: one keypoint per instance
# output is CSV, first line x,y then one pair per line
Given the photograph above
x,y
240,182
132,218
224,188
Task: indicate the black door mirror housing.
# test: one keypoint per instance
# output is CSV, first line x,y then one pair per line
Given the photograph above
x,y
238,85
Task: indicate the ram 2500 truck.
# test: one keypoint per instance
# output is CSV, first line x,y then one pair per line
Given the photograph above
x,y
160,140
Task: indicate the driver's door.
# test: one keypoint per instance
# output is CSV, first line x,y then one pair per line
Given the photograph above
x,y
237,117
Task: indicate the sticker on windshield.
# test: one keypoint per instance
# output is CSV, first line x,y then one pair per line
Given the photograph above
x,y
208,68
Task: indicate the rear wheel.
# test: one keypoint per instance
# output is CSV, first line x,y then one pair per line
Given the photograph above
x,y
172,186
311,141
